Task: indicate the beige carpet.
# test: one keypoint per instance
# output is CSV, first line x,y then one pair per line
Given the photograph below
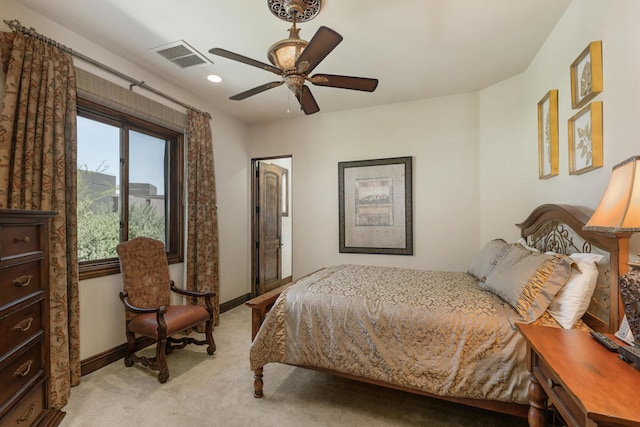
x,y
217,391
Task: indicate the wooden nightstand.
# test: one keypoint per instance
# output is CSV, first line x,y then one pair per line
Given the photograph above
x,y
587,384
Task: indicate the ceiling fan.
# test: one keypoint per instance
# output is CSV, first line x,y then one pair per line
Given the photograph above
x,y
293,59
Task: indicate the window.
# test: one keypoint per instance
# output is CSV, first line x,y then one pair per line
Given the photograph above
x,y
129,184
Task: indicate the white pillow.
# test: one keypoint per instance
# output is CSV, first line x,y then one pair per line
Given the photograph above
x,y
572,301
522,242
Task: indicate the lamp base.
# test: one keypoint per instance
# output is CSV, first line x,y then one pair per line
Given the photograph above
x,y
629,284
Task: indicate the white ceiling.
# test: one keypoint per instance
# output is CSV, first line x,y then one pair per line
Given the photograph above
x,y
416,48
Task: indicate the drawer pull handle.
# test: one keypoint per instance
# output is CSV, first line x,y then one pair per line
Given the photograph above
x,y
23,325
25,240
551,383
22,281
27,414
24,369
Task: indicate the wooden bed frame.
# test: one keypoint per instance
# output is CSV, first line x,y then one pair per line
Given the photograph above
x,y
548,227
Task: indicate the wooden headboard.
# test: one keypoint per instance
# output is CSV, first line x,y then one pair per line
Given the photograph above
x,y
558,228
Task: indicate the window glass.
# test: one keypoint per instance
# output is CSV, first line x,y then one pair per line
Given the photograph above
x,y
98,190
129,185
147,186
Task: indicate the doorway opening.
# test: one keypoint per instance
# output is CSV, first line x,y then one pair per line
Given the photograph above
x,y
271,219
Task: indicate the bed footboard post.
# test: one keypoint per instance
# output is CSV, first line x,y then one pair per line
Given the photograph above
x,y
257,317
257,383
260,306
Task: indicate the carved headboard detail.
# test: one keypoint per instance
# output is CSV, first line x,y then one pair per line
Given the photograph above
x,y
558,228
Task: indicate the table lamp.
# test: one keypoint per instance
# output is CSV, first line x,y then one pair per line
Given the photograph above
x,y
619,212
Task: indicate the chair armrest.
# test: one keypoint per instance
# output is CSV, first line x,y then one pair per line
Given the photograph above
x,y
206,295
191,293
138,310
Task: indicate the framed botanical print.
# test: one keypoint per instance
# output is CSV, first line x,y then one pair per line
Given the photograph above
x,y
585,139
586,75
375,206
548,135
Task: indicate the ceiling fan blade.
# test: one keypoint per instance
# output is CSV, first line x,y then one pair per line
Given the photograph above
x,y
307,101
345,82
256,90
237,57
322,43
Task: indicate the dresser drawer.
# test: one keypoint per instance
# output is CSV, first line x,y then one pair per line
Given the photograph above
x,y
20,280
28,410
20,369
562,400
19,239
17,326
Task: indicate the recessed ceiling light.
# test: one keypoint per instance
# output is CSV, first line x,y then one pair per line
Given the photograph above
x,y
213,78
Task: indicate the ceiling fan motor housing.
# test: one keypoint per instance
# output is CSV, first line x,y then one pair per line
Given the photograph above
x,y
294,83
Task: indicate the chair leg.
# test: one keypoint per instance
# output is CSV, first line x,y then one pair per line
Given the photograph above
x,y
161,360
208,333
131,346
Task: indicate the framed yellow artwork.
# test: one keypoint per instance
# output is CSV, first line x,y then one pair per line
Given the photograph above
x,y
585,139
548,135
586,75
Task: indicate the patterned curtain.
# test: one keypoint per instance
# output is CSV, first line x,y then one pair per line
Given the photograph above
x,y
38,172
202,217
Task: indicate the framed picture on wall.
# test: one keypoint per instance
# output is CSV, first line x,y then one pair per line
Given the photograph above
x,y
586,75
548,135
585,139
375,206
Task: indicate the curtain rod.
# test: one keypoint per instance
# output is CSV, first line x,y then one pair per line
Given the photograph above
x,y
16,26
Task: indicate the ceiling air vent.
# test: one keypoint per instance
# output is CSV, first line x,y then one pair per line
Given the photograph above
x,y
182,54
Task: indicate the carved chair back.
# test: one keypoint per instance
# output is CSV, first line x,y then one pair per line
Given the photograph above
x,y
145,273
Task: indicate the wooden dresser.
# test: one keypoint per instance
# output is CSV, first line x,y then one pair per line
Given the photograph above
x,y
24,319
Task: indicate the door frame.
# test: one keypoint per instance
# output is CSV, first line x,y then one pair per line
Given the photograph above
x,y
254,220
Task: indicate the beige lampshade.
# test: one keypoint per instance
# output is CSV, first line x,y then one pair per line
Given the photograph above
x,y
619,209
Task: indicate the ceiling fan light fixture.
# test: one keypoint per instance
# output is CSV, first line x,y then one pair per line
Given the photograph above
x,y
284,53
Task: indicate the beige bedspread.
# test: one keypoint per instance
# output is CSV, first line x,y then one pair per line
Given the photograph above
x,y
433,331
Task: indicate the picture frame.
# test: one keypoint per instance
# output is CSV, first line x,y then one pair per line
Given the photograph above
x,y
585,139
586,75
548,135
375,206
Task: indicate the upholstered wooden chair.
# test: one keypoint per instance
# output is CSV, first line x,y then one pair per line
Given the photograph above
x,y
147,300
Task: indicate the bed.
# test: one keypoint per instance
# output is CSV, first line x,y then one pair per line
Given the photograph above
x,y
449,335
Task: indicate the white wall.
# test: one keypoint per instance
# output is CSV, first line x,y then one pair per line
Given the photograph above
x,y
101,312
509,182
475,158
442,137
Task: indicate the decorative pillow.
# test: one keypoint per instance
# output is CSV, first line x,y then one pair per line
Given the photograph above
x,y
572,301
485,261
528,280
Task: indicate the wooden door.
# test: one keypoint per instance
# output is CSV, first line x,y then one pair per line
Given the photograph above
x,y
269,215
